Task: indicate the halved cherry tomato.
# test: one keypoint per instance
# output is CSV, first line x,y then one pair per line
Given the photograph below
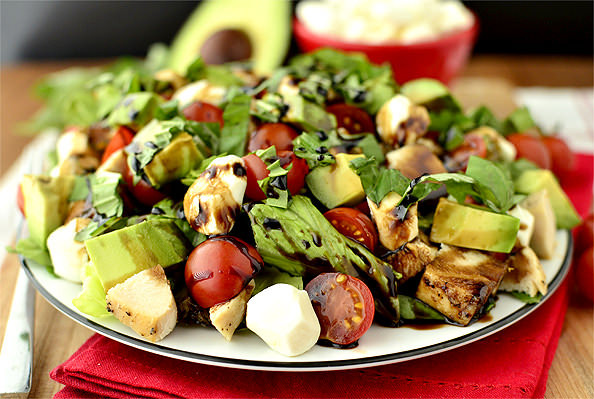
x,y
584,273
344,306
584,235
532,148
121,138
203,112
256,170
142,191
353,119
474,144
562,158
21,199
273,134
219,268
354,224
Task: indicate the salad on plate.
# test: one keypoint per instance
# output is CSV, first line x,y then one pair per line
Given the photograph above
x,y
304,205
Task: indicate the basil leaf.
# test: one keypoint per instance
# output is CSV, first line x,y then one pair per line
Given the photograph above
x,y
518,121
275,185
236,118
270,108
377,183
313,147
371,148
189,179
135,108
167,110
496,186
168,209
105,196
96,228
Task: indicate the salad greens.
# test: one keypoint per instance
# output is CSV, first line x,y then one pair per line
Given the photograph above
x,y
299,240
288,228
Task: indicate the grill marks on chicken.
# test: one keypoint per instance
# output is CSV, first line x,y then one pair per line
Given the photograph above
x,y
458,282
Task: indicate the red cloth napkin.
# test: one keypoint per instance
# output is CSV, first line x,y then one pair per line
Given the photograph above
x,y
512,363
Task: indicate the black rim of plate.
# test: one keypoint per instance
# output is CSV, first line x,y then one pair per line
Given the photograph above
x,y
315,365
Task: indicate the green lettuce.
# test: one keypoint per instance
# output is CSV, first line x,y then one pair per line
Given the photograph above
x,y
300,241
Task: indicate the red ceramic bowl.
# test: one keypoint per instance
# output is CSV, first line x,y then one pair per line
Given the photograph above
x,y
441,59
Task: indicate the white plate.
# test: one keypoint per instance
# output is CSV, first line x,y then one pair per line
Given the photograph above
x,y
380,345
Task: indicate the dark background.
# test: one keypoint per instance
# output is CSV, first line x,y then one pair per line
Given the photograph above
x,y
85,29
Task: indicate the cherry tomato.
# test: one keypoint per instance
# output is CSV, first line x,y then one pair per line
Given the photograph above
x,y
344,306
299,169
532,148
121,138
562,157
584,273
584,235
353,224
142,191
219,268
474,144
351,118
273,134
203,112
256,170
21,199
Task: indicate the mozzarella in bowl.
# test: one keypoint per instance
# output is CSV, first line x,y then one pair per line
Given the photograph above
x,y
384,21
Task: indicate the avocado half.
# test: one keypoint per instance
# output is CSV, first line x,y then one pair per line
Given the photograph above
x,y
266,23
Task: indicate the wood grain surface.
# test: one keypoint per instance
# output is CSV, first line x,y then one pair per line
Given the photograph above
x,y
57,337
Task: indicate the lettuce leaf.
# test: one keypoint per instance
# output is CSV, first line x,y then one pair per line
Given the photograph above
x,y
300,241
91,299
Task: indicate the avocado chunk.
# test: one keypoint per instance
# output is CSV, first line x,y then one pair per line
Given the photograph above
x,y
335,185
430,93
535,180
233,30
122,253
46,204
174,161
470,227
308,115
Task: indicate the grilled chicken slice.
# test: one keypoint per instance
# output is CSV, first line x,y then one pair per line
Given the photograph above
x,y
393,232
144,302
525,274
414,160
226,316
213,200
399,122
412,259
459,281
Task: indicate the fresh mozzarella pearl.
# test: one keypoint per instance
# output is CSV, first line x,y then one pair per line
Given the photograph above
x,y
284,318
69,256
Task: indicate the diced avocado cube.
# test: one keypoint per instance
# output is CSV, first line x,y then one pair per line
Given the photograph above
x,y
431,93
46,204
335,185
308,115
535,180
470,227
125,252
174,161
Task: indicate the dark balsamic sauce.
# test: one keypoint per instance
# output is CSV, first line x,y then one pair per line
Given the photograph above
x,y
271,224
330,344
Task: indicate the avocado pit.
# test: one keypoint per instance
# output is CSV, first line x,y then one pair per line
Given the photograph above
x,y
226,45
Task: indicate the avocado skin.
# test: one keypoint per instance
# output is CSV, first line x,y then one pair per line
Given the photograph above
x,y
431,93
337,184
535,180
46,204
125,252
267,23
470,227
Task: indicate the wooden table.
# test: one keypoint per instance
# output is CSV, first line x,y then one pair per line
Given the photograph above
x,y
57,337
